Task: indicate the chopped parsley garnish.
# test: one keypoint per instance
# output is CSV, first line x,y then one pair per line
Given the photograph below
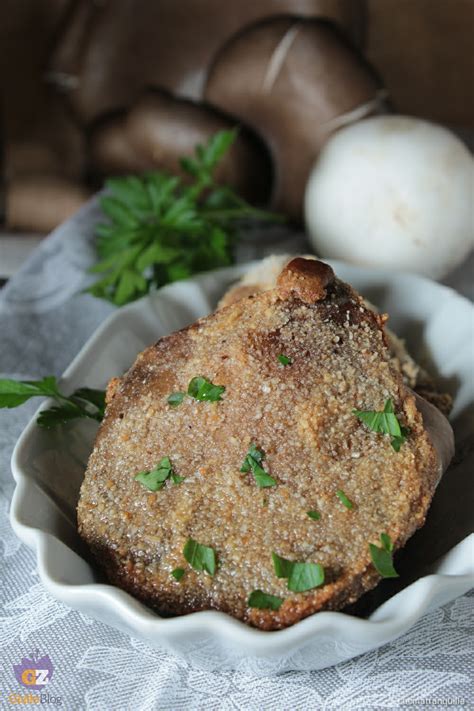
x,y
384,422
305,576
281,566
176,399
177,573
301,576
263,601
199,557
83,403
252,462
202,389
382,558
155,478
284,360
344,500
315,515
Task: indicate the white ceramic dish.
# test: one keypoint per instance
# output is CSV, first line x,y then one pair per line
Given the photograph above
x,y
436,565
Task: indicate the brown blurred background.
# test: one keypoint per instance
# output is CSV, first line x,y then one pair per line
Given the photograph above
x,y
66,66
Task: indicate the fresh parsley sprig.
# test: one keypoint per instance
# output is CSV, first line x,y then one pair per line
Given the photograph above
x,y
160,228
385,422
84,402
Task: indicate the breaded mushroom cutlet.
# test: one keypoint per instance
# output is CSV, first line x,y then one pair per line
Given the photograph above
x,y
263,276
229,467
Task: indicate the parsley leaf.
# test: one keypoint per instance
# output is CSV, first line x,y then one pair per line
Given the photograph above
x,y
382,558
159,228
200,557
202,389
178,573
398,441
386,542
155,478
281,566
315,515
14,393
384,422
305,576
344,500
59,415
285,360
92,396
264,601
301,576
252,462
84,402
175,399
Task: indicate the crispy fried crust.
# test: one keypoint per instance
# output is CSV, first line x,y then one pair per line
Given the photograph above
x,y
111,389
300,415
264,277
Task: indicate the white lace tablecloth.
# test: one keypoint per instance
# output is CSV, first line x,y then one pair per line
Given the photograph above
x,y
43,323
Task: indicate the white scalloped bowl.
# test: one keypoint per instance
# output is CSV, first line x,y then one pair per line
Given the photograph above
x,y
436,565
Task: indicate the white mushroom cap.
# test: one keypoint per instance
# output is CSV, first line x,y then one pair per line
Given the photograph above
x,y
393,191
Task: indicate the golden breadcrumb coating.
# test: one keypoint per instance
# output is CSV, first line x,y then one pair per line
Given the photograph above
x,y
299,414
263,277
